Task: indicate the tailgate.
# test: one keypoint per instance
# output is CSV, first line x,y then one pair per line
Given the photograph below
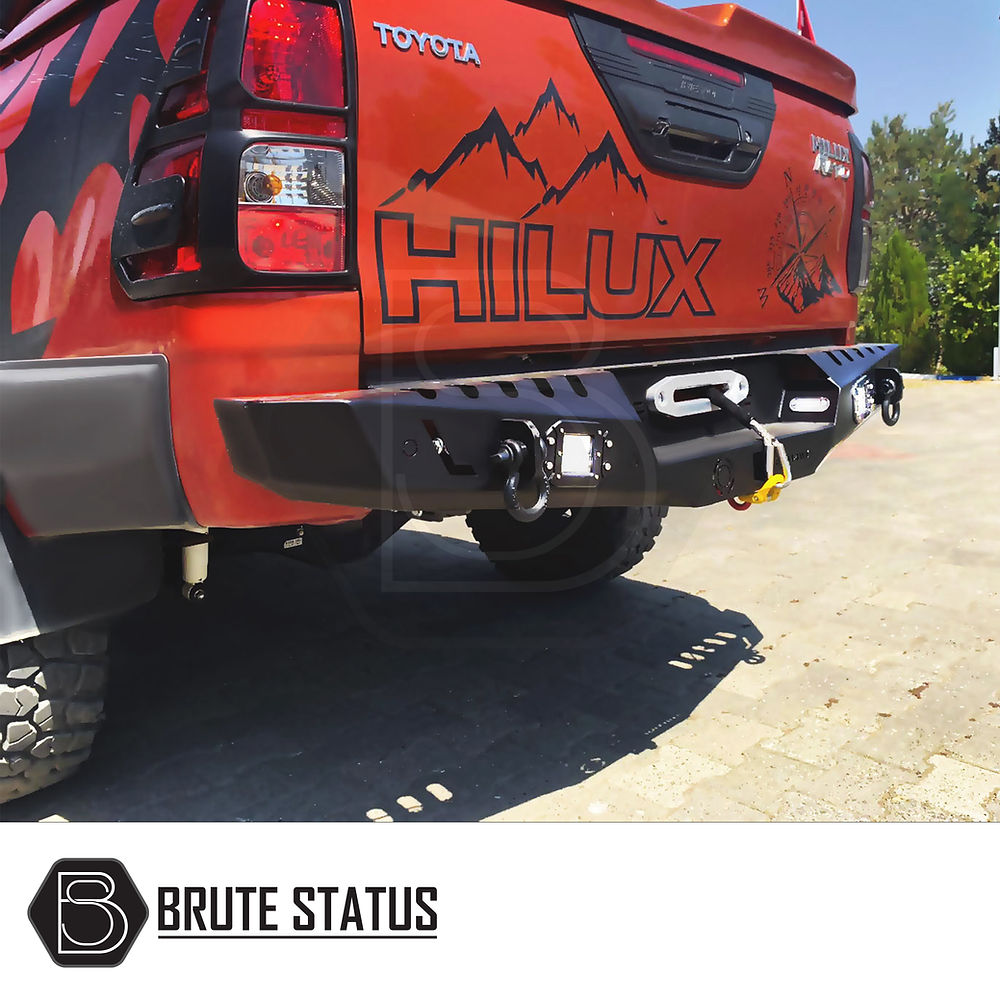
x,y
563,178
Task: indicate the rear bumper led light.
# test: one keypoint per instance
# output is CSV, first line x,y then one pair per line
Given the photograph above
x,y
291,215
863,399
809,404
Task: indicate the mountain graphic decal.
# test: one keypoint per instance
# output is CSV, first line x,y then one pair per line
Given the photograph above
x,y
606,153
548,97
805,281
492,132
550,134
803,276
827,282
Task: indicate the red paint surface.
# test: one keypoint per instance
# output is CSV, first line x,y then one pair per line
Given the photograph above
x,y
53,268
404,146
19,85
169,21
412,112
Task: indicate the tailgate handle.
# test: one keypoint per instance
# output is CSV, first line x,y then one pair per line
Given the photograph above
x,y
700,134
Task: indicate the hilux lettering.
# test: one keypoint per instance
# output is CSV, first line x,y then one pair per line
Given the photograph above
x,y
502,272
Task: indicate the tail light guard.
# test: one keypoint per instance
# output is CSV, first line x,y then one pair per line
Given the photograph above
x,y
268,203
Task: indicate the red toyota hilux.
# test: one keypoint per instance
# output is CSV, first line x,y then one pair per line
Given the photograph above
x,y
304,269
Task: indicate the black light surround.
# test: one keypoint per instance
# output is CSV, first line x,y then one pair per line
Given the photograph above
x,y
578,450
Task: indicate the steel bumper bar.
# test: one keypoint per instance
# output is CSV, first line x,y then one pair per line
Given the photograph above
x,y
428,446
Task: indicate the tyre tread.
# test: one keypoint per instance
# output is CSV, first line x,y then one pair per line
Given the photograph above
x,y
50,740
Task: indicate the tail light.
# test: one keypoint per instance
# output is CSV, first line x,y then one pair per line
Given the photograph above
x,y
183,101
294,52
291,208
859,247
291,213
294,122
683,60
866,223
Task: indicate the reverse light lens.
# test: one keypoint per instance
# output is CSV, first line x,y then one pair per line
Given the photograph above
x,y
294,52
291,208
654,50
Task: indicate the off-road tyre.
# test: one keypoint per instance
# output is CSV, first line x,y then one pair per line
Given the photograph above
x,y
51,706
567,549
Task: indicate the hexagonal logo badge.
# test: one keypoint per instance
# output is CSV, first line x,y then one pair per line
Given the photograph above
x,y
88,912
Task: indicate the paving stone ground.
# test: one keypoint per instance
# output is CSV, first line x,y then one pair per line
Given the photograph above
x,y
833,656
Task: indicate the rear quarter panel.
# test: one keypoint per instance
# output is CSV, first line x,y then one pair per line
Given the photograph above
x,y
71,110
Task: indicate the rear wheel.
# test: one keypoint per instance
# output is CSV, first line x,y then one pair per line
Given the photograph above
x,y
571,547
51,706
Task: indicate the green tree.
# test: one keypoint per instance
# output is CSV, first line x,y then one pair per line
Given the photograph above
x,y
968,294
985,172
924,186
896,308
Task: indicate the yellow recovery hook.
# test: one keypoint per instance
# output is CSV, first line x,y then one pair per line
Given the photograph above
x,y
776,481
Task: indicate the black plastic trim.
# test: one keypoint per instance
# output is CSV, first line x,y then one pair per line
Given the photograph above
x,y
680,121
855,239
76,579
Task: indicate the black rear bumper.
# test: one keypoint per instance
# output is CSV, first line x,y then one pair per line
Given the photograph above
x,y
427,446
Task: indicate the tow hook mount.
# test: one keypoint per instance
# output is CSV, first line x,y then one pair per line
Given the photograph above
x,y
888,393
522,455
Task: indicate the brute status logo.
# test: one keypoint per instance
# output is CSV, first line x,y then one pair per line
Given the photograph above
x,y
88,912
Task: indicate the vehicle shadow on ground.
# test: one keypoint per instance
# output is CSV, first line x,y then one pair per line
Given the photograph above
x,y
300,694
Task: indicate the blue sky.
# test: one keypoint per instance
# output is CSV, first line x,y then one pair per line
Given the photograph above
x,y
910,56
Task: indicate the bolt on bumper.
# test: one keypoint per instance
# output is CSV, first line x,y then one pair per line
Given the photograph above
x,y
429,445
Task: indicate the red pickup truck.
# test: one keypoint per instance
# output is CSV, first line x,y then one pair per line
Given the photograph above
x,y
290,272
